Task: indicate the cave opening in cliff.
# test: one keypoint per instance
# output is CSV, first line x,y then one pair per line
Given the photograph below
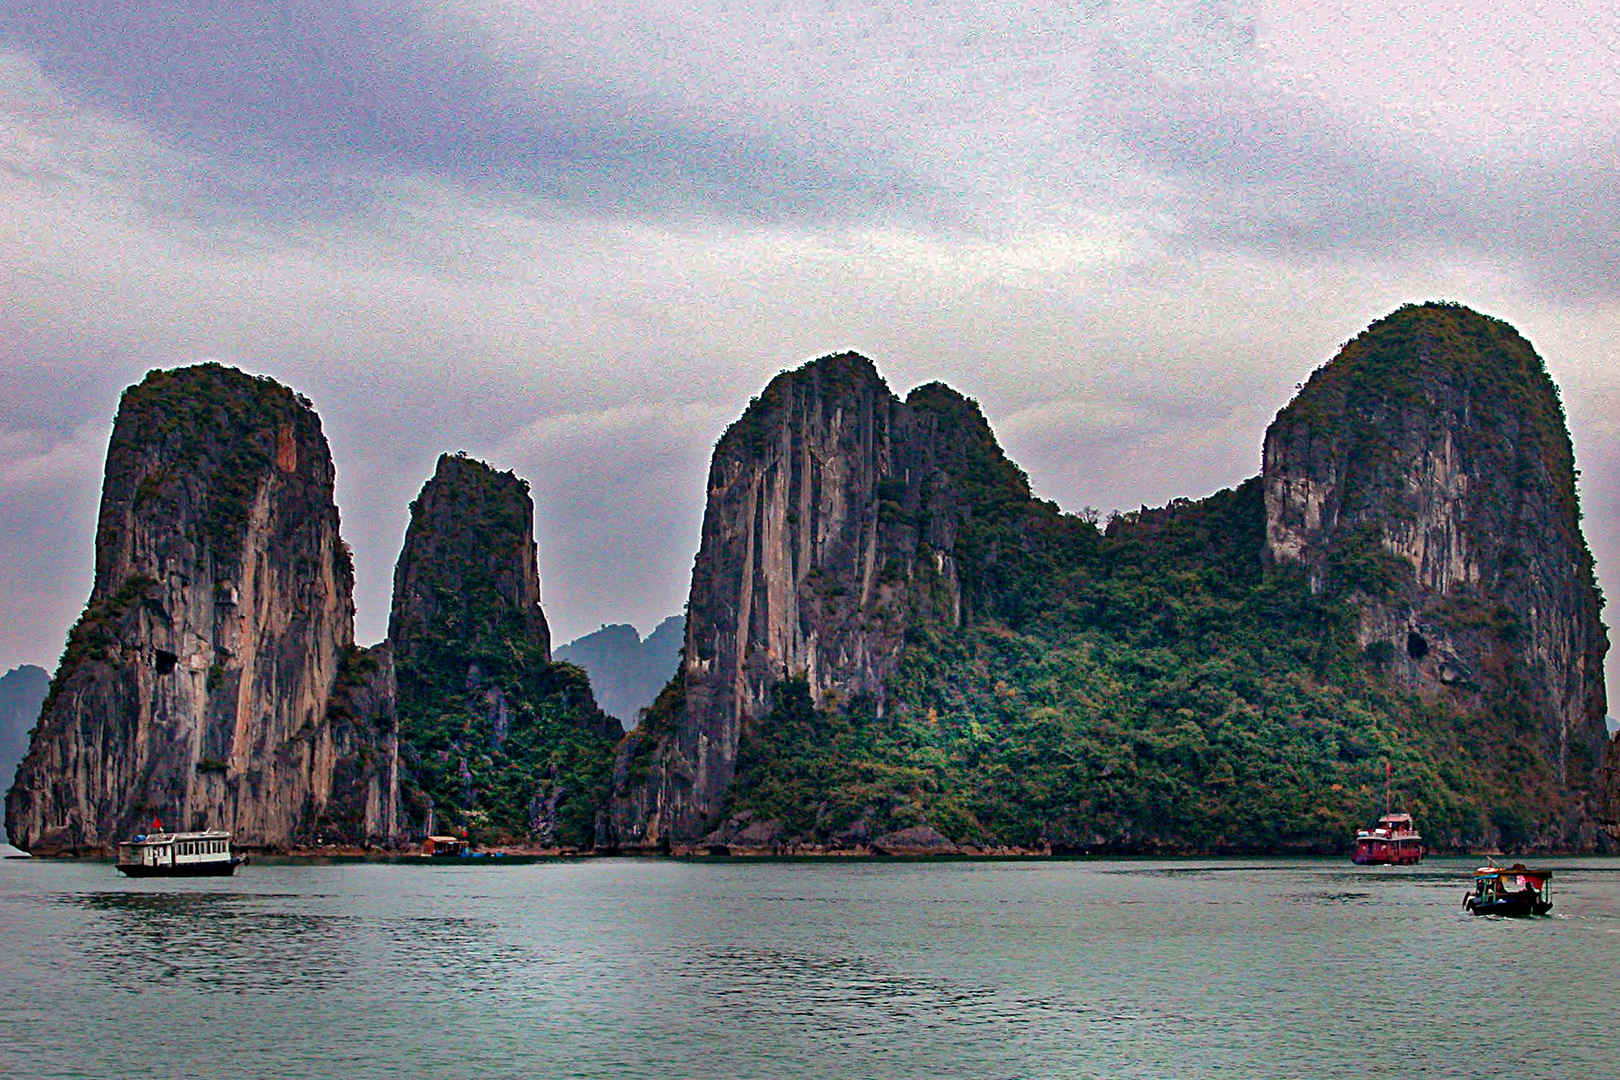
x,y
166,661
1416,646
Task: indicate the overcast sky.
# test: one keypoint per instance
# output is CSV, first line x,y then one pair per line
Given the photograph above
x,y
574,238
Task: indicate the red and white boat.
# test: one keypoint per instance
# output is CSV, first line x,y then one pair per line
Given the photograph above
x,y
1394,841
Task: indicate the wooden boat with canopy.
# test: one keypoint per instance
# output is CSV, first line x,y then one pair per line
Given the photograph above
x,y
1514,891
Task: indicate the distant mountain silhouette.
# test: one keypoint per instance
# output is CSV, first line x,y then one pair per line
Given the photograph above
x,y
22,691
626,671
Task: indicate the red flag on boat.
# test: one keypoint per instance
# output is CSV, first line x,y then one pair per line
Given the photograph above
x,y
157,826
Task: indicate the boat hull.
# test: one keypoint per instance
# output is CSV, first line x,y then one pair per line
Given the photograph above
x,y
222,868
1511,908
1400,858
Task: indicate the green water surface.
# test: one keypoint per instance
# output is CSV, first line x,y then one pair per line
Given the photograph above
x,y
726,969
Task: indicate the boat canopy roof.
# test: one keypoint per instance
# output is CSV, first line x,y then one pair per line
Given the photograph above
x,y
173,837
1517,870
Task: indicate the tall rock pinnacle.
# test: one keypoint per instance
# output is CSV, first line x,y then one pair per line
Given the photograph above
x,y
1426,471
831,525
502,740
195,687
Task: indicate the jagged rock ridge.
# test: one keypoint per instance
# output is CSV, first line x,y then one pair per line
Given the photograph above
x,y
887,632
197,683
22,692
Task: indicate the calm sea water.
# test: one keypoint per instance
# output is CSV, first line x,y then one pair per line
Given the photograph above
x,y
732,969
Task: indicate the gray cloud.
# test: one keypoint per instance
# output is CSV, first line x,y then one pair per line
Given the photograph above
x,y
306,99
1267,163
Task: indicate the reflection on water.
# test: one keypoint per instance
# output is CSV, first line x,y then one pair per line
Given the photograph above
x,y
1334,897
253,943
860,995
212,939
774,970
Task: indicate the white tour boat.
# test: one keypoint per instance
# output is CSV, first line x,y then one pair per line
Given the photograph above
x,y
178,854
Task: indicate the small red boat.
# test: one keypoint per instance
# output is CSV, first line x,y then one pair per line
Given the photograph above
x,y
1393,842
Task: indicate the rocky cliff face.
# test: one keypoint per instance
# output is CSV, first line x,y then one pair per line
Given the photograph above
x,y
888,633
1609,789
831,525
503,742
1427,473
196,685
468,567
366,781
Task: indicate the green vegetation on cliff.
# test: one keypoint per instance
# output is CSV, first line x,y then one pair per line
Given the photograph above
x,y
1163,692
220,433
1158,686
502,742
94,637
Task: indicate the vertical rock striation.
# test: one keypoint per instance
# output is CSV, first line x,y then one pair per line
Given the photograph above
x,y
1427,473
196,686
831,525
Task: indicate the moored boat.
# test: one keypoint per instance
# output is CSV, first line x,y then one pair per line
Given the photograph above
x,y
444,847
1394,841
1514,891
178,854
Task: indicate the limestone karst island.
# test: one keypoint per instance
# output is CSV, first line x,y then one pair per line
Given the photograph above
x,y
891,645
